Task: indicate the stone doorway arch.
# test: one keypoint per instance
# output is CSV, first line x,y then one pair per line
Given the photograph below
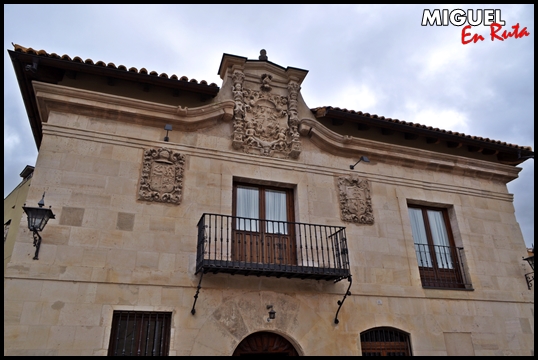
x,y
265,343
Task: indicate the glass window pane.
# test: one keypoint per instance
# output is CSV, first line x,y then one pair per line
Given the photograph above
x,y
247,207
275,211
440,239
419,238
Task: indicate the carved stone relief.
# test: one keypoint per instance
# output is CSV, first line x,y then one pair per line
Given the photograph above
x,y
162,176
355,201
265,123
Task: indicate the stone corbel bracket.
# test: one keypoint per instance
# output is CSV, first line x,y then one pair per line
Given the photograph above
x,y
60,98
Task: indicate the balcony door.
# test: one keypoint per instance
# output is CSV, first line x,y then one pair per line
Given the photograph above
x,y
262,229
438,258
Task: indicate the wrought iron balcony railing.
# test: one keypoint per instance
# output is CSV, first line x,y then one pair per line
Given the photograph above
x,y
442,266
238,245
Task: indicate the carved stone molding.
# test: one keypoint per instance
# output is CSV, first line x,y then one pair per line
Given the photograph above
x,y
265,123
355,201
58,98
392,154
162,176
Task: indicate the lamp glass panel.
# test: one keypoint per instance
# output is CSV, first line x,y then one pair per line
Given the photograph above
x,y
38,218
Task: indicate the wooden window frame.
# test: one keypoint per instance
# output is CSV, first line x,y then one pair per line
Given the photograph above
x,y
436,276
262,189
263,246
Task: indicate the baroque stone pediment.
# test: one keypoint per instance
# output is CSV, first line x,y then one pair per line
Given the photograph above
x,y
162,176
265,123
355,201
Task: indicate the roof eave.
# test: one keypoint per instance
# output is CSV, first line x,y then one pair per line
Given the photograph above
x,y
512,155
28,68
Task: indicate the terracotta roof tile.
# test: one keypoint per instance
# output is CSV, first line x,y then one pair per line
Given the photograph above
x,y
321,109
143,71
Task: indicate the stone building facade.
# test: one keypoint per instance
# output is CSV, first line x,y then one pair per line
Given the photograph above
x,y
13,212
193,219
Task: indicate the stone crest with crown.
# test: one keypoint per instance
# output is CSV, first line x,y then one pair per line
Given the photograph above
x,y
265,116
162,176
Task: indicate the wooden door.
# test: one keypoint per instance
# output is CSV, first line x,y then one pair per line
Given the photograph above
x,y
265,343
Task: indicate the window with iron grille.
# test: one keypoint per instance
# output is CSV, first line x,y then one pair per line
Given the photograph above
x,y
140,333
385,341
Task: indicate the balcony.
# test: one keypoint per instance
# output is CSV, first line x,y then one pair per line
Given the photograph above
x,y
237,245
445,269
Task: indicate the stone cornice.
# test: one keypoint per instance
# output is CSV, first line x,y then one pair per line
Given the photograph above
x,y
267,162
233,62
353,147
89,103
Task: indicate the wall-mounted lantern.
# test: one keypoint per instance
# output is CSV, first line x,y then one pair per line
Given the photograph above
x,y
363,158
168,128
530,276
37,219
272,313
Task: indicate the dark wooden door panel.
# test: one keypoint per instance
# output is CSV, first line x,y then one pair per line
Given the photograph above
x,y
265,343
263,248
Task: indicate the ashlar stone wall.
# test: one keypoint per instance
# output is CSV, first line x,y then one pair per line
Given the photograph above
x,y
108,249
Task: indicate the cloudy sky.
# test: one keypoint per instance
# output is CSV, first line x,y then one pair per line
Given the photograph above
x,y
373,58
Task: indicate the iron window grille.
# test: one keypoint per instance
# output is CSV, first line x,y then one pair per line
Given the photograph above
x,y
140,333
385,341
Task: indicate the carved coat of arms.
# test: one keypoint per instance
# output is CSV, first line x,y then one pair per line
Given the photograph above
x,y
265,123
162,176
355,201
